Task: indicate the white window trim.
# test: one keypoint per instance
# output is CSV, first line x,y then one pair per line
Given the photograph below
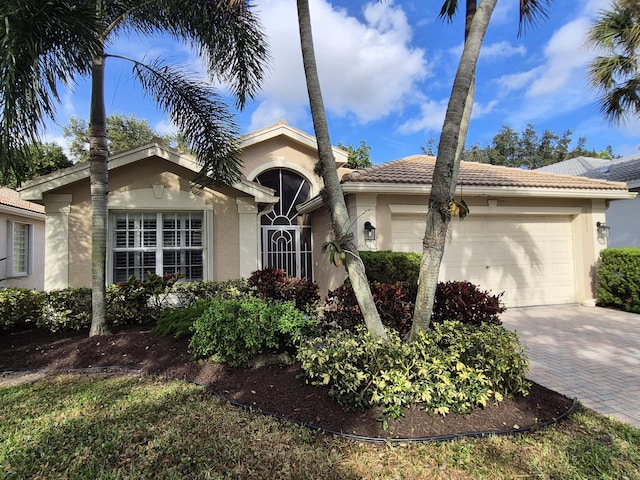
x,y
159,213
11,273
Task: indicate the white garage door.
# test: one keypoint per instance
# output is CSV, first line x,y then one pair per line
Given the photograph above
x,y
529,258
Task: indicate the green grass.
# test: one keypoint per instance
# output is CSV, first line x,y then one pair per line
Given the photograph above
x,y
129,427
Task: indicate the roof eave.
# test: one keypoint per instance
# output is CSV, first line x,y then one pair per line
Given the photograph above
x,y
487,191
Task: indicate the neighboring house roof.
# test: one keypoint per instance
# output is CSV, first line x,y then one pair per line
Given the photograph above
x,y
11,201
574,166
625,169
36,188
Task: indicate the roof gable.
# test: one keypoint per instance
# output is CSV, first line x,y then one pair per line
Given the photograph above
x,y
282,129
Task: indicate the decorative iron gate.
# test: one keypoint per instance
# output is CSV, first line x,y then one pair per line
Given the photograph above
x,y
286,238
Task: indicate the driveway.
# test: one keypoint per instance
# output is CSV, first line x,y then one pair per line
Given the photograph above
x,y
590,353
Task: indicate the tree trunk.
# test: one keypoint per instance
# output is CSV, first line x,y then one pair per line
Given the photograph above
x,y
332,195
98,159
445,175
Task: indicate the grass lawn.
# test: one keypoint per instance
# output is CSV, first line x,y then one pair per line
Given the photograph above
x,y
137,427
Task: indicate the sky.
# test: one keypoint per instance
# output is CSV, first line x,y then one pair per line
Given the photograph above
x,y
386,69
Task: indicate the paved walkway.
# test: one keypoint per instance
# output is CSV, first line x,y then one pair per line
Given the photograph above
x,y
589,353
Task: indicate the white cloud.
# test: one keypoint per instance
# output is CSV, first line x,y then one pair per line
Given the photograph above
x,y
516,81
367,68
497,51
566,56
431,117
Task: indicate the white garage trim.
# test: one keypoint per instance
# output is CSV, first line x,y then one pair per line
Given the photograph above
x,y
530,258
492,209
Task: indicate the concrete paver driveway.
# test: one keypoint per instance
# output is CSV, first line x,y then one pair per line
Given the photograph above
x,y
590,353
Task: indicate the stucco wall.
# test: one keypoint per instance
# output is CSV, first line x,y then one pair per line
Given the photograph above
x,y
36,279
622,217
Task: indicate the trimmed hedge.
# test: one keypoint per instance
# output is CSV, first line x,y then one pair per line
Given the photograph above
x,y
391,267
20,308
618,279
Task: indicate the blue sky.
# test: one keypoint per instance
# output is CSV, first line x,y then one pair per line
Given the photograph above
x,y
386,70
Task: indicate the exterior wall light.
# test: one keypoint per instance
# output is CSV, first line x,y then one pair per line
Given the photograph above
x,y
603,230
369,231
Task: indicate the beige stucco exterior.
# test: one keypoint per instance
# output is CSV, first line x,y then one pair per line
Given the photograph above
x,y
156,178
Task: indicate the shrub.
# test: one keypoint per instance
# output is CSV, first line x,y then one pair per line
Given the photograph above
x,y
178,321
138,301
465,302
461,301
618,279
20,308
454,367
394,303
391,267
236,330
273,284
188,293
66,309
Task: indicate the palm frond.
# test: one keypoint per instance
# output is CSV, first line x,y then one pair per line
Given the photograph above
x,y
531,12
228,35
42,45
448,10
197,111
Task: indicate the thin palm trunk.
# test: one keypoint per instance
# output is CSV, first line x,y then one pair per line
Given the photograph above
x,y
98,158
332,194
445,175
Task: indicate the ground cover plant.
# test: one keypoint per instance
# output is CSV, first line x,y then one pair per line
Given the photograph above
x,y
139,427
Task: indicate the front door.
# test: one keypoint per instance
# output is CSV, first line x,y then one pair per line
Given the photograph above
x,y
286,236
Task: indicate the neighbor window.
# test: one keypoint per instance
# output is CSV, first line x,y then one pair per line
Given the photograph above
x,y
20,249
159,243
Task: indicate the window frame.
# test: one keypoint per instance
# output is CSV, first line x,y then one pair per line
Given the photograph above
x,y
157,248
12,272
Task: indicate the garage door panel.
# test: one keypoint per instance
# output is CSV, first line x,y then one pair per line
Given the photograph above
x,y
529,258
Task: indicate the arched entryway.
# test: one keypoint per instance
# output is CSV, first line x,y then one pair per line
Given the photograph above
x,y
286,235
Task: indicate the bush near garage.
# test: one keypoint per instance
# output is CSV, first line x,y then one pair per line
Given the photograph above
x,y
618,279
391,267
462,301
453,367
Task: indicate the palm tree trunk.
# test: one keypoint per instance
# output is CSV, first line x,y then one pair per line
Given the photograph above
x,y
332,195
445,175
98,159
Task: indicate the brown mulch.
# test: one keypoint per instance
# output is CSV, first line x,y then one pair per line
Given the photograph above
x,y
272,389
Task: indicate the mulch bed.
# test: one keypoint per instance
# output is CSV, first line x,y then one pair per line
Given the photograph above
x,y
272,389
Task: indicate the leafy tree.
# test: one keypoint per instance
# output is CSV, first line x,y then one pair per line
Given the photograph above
x,y
528,149
332,194
124,132
45,158
450,147
46,44
358,157
616,73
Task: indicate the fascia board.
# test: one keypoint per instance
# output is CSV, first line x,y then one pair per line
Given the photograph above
x,y
19,212
413,189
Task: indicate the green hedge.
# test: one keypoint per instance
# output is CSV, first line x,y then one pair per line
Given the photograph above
x,y
391,267
618,279
20,308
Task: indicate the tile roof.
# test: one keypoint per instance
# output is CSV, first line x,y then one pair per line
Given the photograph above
x,y
11,198
418,169
625,169
574,166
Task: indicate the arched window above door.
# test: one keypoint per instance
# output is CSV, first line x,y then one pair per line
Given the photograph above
x,y
292,189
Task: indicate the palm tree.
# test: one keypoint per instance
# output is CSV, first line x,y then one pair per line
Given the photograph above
x,y
451,145
332,193
616,74
45,44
